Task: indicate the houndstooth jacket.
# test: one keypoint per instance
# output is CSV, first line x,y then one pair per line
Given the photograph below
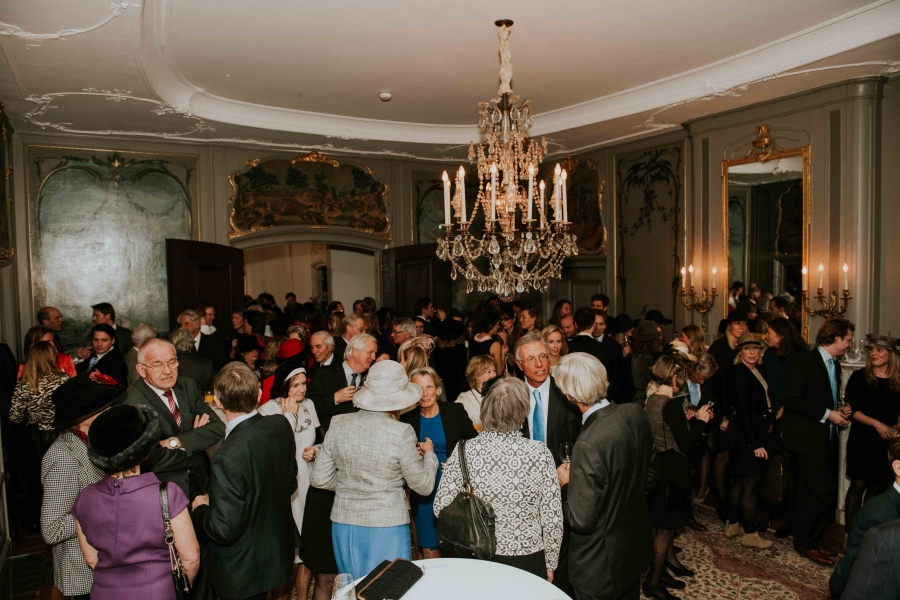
x,y
65,471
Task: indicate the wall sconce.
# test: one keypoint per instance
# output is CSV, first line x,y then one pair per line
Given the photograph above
x,y
829,305
706,301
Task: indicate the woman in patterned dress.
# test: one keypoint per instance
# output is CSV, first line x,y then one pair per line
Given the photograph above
x,y
31,402
517,477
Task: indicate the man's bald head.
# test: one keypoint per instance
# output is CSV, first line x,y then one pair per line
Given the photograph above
x,y
157,364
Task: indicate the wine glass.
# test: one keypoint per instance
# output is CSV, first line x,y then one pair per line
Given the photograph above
x,y
565,452
344,587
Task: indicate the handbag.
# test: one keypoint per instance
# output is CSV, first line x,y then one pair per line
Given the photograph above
x,y
466,525
389,580
774,484
179,577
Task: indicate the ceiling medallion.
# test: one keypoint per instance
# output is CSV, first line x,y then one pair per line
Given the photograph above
x,y
520,247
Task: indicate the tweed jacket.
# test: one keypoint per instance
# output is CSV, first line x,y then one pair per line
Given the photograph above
x,y
65,471
366,458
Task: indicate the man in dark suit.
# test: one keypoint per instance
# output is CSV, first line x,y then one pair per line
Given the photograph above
x,y
879,510
247,515
353,324
811,418
104,313
190,364
333,387
552,419
212,347
876,574
604,491
103,358
589,322
321,346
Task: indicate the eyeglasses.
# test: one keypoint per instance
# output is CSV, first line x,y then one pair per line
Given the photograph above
x,y
533,360
397,333
158,366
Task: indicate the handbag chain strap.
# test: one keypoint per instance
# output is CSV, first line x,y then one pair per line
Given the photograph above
x,y
174,560
467,487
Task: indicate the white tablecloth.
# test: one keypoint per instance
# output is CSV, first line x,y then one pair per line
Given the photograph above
x,y
465,579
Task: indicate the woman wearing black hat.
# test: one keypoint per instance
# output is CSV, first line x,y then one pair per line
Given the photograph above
x,y
752,439
450,357
874,394
65,471
120,520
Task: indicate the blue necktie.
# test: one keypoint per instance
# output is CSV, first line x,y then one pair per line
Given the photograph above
x,y
537,419
831,376
93,362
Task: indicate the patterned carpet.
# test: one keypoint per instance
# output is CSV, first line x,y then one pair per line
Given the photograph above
x,y
728,571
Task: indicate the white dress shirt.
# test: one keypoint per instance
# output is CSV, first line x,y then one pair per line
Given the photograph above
x,y
544,391
329,361
197,342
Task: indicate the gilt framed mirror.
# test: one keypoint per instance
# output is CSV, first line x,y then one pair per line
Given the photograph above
x,y
765,221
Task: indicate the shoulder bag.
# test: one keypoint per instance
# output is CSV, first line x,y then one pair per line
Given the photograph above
x,y
179,577
466,525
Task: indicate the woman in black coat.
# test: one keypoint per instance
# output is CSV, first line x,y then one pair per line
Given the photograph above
x,y
445,424
750,433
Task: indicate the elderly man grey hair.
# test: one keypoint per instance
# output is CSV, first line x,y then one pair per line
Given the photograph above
x,y
191,314
506,406
406,325
142,334
182,340
706,365
358,344
532,337
582,378
326,338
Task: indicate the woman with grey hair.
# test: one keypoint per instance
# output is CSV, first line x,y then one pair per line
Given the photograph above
x,y
516,476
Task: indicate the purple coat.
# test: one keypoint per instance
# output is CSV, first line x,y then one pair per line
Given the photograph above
x,y
122,519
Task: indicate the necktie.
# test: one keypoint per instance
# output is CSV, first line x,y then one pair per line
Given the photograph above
x,y
353,379
173,407
93,362
832,371
537,419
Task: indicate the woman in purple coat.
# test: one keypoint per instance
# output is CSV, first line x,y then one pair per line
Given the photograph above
x,y
119,519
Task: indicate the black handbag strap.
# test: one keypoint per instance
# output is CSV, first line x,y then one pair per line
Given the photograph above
x,y
164,504
464,467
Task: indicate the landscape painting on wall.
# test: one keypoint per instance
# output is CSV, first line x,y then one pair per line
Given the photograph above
x,y
650,197
98,221
307,190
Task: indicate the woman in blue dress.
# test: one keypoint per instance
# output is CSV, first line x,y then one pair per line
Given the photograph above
x,y
444,423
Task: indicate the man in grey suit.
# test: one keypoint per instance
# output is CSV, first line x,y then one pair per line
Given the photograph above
x,y
603,487
190,364
141,334
876,573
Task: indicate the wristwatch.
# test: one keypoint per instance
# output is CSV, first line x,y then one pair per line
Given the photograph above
x,y
173,443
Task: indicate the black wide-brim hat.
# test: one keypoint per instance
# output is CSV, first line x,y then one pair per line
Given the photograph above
x,y
450,329
282,372
80,398
737,316
657,317
881,340
622,324
123,436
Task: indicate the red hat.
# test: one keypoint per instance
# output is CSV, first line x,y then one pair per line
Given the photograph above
x,y
290,349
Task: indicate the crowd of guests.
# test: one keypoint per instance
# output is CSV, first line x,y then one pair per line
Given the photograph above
x,y
301,442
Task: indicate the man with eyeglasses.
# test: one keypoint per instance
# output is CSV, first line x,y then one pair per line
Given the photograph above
x,y
402,330
189,427
552,419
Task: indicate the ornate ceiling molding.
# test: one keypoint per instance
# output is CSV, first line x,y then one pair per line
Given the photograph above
x,y
12,30
847,32
44,104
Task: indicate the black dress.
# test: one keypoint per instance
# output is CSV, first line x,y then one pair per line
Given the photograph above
x,y
483,347
866,450
450,364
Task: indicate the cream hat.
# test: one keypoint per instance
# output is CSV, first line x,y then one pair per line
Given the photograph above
x,y
681,347
387,388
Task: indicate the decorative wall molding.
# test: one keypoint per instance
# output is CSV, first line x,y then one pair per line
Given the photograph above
x,y
866,25
12,30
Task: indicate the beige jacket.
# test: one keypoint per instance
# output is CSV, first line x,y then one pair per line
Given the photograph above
x,y
366,458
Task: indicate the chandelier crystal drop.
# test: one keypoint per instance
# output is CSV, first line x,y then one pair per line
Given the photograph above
x,y
522,247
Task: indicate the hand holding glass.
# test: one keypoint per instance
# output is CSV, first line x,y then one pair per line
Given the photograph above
x,y
565,452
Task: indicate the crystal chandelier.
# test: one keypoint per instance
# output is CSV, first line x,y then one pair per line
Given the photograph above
x,y
521,246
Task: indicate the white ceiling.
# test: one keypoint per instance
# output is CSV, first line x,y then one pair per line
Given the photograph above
x,y
293,74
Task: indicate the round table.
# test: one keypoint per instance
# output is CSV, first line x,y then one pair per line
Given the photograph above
x,y
478,580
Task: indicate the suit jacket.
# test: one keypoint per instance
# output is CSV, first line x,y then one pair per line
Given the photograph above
x,y
65,471
604,502
327,381
881,509
807,394
123,340
249,524
456,424
196,367
131,362
111,364
174,465
213,348
876,573
563,420
340,345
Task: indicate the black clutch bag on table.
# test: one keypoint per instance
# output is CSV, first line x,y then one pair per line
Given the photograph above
x,y
389,580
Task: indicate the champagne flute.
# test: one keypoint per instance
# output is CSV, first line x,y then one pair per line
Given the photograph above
x,y
344,587
565,452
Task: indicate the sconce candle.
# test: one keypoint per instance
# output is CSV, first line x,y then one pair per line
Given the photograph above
x,y
846,277
682,279
821,271
714,278
805,280
691,271
446,198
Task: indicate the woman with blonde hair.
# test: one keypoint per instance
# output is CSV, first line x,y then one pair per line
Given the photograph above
x,y
31,400
480,369
556,344
873,393
693,337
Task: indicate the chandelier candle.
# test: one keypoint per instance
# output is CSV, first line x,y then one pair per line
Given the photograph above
x,y
461,186
447,216
543,208
565,199
530,189
493,192
557,214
